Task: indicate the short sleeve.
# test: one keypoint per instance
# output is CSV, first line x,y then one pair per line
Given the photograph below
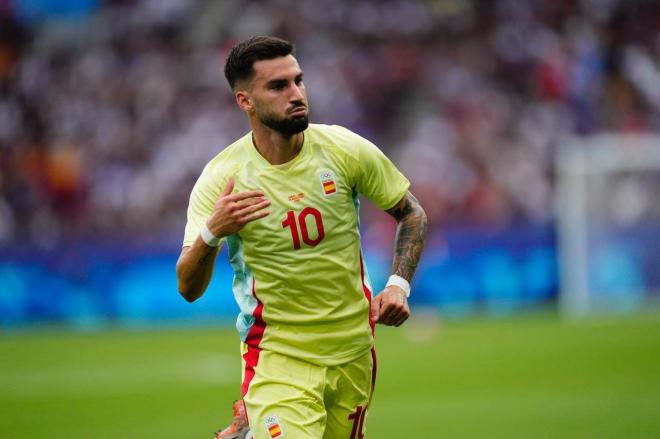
x,y
201,204
377,178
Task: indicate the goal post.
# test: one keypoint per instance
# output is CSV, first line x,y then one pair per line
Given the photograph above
x,y
608,222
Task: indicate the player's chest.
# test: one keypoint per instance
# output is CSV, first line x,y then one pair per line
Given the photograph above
x,y
311,210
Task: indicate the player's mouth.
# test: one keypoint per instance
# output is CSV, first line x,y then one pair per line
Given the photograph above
x,y
298,111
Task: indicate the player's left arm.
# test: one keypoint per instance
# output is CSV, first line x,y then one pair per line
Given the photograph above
x,y
390,307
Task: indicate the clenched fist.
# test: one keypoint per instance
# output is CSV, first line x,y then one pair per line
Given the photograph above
x,y
390,307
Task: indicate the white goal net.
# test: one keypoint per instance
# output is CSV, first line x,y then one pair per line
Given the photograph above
x,y
608,220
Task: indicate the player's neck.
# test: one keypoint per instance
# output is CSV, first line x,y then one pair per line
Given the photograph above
x,y
276,147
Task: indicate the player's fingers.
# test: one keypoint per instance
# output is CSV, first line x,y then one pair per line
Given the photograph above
x,y
386,313
244,195
394,310
397,316
375,308
240,205
249,210
387,321
228,188
237,207
402,317
255,216
401,320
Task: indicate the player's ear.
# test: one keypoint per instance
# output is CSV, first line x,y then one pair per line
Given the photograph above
x,y
244,100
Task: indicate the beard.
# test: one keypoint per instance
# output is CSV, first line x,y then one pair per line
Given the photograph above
x,y
286,125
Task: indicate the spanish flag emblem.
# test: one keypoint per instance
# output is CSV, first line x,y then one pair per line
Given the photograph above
x,y
274,431
329,187
273,427
328,184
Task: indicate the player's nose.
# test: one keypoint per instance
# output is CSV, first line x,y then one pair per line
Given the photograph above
x,y
297,94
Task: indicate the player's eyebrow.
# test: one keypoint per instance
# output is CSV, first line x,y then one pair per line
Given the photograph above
x,y
276,82
282,81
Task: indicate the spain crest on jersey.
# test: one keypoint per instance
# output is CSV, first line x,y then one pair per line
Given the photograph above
x,y
328,182
273,426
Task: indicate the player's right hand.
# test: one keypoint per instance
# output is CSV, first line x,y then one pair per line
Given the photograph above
x,y
233,211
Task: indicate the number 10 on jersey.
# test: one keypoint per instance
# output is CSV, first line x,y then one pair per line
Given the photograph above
x,y
299,227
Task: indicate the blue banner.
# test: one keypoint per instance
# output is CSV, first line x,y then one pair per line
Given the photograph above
x,y
463,271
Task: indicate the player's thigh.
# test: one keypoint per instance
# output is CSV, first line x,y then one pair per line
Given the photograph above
x,y
284,399
347,406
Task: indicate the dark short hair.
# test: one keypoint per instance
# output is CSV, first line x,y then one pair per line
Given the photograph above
x,y
242,57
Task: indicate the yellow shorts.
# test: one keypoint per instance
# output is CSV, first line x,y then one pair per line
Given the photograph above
x,y
286,397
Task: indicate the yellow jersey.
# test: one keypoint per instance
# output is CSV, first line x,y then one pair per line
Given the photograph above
x,y
299,276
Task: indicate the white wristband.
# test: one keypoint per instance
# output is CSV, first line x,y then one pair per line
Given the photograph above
x,y
399,282
209,238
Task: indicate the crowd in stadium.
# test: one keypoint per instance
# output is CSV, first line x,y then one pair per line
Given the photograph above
x,y
104,125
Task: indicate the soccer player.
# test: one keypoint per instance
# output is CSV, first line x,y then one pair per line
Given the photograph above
x,y
285,200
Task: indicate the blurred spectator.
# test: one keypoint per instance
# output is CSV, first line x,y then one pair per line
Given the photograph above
x,y
108,111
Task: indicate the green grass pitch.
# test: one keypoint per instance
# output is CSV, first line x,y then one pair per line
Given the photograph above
x,y
522,377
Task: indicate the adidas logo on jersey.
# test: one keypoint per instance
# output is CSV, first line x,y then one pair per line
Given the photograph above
x,y
296,197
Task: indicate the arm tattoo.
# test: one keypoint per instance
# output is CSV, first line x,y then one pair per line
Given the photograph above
x,y
410,235
207,257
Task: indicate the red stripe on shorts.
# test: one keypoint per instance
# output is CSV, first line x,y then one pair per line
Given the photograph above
x,y
253,339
